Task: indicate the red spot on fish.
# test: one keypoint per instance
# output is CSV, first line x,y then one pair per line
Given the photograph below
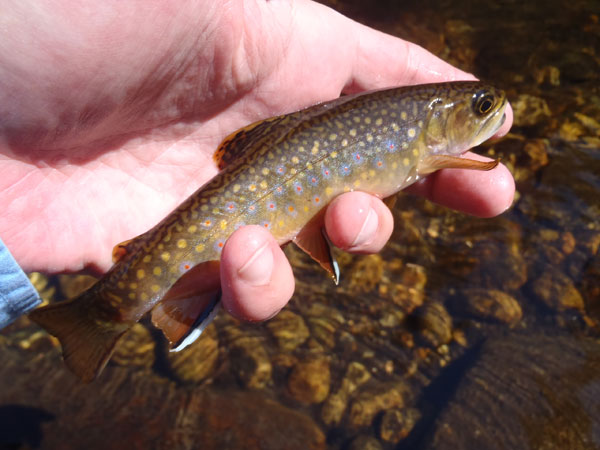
x,y
317,199
391,146
220,244
357,157
186,267
379,163
271,206
290,208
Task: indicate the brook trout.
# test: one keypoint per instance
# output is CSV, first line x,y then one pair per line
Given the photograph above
x,y
279,173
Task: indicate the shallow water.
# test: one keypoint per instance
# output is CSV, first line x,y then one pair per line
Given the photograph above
x,y
463,333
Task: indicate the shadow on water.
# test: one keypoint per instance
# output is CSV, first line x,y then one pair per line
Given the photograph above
x,y
21,426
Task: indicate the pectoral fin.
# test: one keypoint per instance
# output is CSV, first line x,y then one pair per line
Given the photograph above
x,y
313,240
436,162
190,305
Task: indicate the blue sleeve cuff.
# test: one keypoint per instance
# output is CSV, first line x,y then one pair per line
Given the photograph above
x,y
17,294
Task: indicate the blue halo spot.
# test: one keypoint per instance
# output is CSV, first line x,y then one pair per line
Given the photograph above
x,y
313,180
357,158
185,266
251,208
271,206
345,170
279,190
219,244
298,189
326,172
379,163
230,207
390,146
280,170
291,210
266,224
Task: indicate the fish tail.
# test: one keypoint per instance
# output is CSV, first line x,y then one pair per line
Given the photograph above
x,y
87,343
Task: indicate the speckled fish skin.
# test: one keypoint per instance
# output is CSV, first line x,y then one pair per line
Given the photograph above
x,y
281,172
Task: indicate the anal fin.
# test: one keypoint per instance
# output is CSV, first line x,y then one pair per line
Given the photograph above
x,y
190,305
313,240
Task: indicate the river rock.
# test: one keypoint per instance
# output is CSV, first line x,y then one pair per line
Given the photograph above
x,y
250,362
489,304
397,423
434,324
289,329
374,399
524,391
557,292
198,361
336,404
135,349
309,380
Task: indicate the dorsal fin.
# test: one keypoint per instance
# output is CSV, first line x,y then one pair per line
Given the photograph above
x,y
237,142
268,130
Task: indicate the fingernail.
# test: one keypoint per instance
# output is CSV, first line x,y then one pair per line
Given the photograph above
x,y
368,230
258,269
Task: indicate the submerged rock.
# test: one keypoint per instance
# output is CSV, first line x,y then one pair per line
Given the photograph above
x,y
397,423
526,391
377,398
434,324
336,404
289,329
135,349
309,380
197,362
489,304
557,291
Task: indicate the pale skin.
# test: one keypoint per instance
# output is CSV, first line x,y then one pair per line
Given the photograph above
x,y
110,113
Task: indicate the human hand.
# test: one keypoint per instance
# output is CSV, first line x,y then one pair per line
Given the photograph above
x,y
109,117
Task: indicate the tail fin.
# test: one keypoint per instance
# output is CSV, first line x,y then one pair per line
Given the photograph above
x,y
87,343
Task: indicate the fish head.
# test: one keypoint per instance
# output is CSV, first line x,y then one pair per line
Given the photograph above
x,y
462,116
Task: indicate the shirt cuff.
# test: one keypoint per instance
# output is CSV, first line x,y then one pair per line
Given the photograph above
x,y
17,294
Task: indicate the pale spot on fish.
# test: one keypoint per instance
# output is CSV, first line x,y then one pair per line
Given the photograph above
x,y
131,295
204,208
368,120
352,132
165,256
121,285
192,229
155,288
403,115
328,191
415,152
264,184
333,154
265,171
133,285
295,160
182,243
199,248
157,271
252,187
223,224
379,121
140,274
411,133
406,161
236,188
333,137
147,258
144,297
395,127
394,165
344,142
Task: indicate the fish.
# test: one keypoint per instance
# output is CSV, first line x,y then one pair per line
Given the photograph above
x,y
279,173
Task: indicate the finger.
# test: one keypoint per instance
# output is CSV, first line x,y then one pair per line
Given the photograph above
x,y
256,277
358,222
383,60
483,194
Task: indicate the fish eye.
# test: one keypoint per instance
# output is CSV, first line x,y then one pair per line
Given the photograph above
x,y
483,103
